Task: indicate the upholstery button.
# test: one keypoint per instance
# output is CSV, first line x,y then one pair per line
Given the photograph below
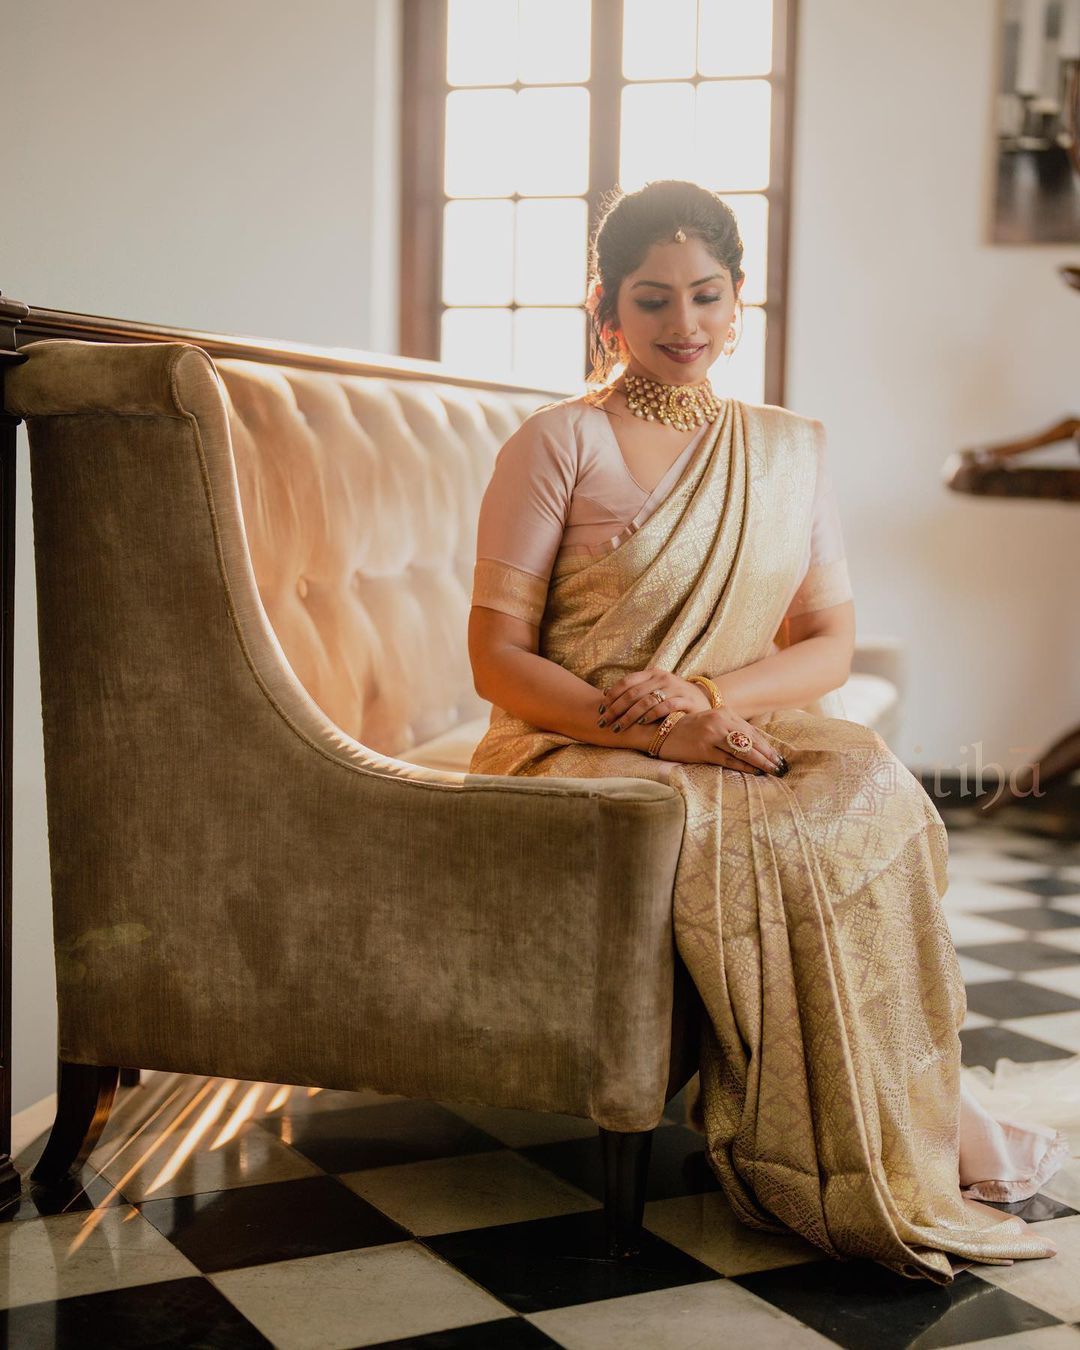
x,y
301,587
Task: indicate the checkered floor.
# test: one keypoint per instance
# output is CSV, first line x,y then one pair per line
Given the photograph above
x,y
223,1214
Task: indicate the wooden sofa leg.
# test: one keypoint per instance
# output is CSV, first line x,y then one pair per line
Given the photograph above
x,y
84,1098
626,1170
130,1077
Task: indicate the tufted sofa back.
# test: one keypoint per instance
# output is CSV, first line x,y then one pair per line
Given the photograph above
x,y
360,497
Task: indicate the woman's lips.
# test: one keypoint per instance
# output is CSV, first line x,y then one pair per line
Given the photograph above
x,y
683,357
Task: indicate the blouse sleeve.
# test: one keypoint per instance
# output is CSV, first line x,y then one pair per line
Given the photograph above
x,y
523,517
825,578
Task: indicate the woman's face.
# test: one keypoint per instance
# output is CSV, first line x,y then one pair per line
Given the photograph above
x,y
680,296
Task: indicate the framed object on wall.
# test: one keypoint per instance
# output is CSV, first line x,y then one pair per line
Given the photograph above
x,y
1036,194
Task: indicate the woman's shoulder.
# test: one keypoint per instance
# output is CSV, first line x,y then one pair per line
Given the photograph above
x,y
778,415
556,426
558,413
787,427
546,443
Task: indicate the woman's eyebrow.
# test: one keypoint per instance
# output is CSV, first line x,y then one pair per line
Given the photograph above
x,y
664,285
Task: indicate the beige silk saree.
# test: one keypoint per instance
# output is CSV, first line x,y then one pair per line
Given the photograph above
x,y
806,908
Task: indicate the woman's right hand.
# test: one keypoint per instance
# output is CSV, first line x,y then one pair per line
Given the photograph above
x,y
700,738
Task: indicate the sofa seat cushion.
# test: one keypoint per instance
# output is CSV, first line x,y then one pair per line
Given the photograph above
x,y
868,699
450,750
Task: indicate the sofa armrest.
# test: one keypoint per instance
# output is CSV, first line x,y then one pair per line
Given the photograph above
x,y
242,889
881,655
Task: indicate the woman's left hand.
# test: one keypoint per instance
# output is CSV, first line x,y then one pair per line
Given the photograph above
x,y
631,700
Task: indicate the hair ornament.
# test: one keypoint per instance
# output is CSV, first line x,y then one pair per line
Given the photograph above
x,y
680,235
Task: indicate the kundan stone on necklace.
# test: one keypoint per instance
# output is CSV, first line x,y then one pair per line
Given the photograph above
x,y
682,406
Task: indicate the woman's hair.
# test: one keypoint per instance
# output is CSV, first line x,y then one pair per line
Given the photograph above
x,y
632,222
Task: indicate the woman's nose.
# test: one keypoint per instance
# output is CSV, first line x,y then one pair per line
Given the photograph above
x,y
684,322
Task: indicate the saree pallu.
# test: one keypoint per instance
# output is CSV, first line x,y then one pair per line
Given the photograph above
x,y
806,908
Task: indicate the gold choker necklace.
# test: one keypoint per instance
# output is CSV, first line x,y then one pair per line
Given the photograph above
x,y
676,405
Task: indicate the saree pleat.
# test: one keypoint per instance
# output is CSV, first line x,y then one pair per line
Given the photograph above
x,y
806,908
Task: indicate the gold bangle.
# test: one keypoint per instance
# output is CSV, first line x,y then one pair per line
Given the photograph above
x,y
665,726
716,698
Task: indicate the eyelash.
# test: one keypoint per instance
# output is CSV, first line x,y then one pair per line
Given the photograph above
x,y
655,304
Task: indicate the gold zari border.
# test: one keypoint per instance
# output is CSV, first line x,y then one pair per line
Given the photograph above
x,y
824,585
497,585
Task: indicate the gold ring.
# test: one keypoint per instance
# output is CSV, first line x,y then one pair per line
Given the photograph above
x,y
739,741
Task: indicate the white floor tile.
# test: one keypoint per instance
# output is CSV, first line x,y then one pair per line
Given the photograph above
x,y
157,1165
979,972
1052,1283
443,1195
968,930
84,1253
690,1317
356,1298
1060,1029
973,897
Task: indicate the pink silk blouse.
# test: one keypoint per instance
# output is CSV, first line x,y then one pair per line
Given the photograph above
x,y
560,485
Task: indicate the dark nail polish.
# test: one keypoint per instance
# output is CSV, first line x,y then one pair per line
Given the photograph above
x,y
602,721
603,706
617,727
759,772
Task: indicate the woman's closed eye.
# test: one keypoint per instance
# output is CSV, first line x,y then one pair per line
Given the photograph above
x,y
655,304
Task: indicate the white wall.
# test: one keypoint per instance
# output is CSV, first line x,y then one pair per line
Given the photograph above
x,y
911,338
223,164
232,166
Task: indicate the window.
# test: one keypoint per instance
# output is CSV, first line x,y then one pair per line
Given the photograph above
x,y
519,116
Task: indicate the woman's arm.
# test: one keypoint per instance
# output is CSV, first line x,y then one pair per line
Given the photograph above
x,y
818,656
509,672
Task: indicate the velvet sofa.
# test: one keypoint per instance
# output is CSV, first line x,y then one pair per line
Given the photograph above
x,y
267,858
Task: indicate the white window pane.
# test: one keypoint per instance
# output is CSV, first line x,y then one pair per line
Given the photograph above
x,y
554,41
552,252
752,212
735,37
549,347
478,253
656,139
659,40
481,154
481,42
742,375
478,342
733,119
552,152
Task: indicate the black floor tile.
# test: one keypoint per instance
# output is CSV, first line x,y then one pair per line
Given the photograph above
x,y
861,1305
171,1315
1005,999
1033,918
1020,955
88,1190
677,1163
986,1045
379,1136
1046,887
254,1225
554,1263
1036,1209
675,1109
505,1333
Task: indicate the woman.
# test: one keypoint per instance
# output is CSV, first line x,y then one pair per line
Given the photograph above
x,y
661,591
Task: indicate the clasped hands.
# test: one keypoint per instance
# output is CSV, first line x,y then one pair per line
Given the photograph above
x,y
698,737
